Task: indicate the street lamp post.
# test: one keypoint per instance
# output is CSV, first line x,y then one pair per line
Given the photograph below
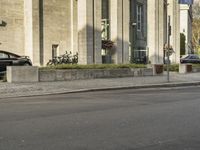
x,y
168,47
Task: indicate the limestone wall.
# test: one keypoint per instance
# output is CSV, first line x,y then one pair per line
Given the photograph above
x,y
50,24
57,26
12,32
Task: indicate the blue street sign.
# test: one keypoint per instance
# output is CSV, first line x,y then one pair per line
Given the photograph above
x,y
189,2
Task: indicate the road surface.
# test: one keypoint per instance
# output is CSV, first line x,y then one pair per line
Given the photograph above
x,y
147,119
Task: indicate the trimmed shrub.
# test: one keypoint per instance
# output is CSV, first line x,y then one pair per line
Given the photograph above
x,y
172,67
95,66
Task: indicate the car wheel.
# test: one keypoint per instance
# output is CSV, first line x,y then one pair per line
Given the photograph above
x,y
27,64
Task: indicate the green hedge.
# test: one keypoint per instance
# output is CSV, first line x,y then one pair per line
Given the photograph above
x,y
96,66
196,65
172,67
175,67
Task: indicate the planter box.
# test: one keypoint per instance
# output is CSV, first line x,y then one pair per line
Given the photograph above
x,y
185,68
19,74
158,69
79,74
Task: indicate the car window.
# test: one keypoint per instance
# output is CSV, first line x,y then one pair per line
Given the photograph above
x,y
13,56
188,57
3,55
193,57
196,57
184,56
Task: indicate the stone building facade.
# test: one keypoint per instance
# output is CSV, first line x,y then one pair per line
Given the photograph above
x,y
43,29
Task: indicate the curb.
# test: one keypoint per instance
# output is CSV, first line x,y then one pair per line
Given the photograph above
x,y
164,85
148,86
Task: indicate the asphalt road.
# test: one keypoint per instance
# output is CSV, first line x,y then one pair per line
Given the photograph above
x,y
153,119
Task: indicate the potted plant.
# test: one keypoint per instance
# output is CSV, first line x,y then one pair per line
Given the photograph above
x,y
107,45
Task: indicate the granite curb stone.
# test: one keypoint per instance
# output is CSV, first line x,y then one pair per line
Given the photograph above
x,y
46,88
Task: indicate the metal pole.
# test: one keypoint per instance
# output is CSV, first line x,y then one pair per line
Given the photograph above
x,y
168,46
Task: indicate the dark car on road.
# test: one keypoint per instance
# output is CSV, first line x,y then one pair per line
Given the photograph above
x,y
190,58
11,59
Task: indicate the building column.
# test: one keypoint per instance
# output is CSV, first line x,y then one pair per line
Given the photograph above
x,y
97,31
120,12
186,26
89,31
126,30
74,26
156,37
174,13
32,31
28,25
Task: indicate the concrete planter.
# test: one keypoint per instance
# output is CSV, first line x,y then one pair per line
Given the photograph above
x,y
185,68
78,74
19,74
158,69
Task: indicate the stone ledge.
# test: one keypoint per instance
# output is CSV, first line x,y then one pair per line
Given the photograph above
x,y
22,74
78,74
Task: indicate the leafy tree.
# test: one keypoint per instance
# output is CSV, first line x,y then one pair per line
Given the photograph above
x,y
196,10
196,27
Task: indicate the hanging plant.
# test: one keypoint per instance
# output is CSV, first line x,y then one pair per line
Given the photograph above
x,y
107,44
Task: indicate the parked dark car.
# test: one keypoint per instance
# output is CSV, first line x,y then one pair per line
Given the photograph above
x,y
190,58
10,59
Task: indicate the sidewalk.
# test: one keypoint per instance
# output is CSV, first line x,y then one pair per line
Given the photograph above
x,y
43,88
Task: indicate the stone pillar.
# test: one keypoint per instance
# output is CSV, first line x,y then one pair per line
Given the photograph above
x,y
174,12
120,30
156,31
186,26
74,26
32,31
126,30
97,31
28,25
89,31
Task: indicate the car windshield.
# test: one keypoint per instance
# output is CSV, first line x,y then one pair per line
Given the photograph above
x,y
184,56
3,55
13,56
193,57
190,57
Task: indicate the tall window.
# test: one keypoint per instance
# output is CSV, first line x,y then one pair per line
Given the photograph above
x,y
139,17
105,19
105,9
